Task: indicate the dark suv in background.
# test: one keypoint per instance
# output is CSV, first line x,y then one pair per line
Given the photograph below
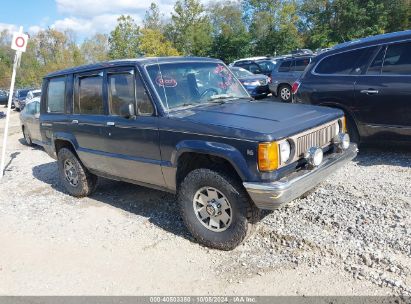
x,y
370,80
285,73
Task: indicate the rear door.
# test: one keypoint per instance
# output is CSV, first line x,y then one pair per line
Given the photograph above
x,y
385,93
132,143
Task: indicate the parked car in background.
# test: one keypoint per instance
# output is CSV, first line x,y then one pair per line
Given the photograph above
x,y
286,72
33,93
256,85
186,125
19,98
30,95
30,122
259,65
370,80
4,97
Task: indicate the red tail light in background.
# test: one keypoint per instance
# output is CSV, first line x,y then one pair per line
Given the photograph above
x,y
269,79
295,87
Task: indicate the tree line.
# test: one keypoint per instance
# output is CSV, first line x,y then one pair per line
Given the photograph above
x,y
222,29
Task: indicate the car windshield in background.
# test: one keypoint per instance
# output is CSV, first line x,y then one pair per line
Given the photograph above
x,y
241,73
193,83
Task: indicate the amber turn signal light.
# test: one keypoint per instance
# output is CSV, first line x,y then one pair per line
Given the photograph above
x,y
268,156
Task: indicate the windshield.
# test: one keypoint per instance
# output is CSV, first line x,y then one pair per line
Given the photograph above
x,y
193,83
23,93
241,73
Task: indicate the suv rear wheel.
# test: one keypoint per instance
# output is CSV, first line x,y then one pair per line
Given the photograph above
x,y
284,91
77,180
216,209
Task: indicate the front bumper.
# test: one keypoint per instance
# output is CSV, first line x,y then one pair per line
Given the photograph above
x,y
272,195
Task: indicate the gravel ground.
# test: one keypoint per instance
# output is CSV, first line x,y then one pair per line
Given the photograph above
x,y
351,236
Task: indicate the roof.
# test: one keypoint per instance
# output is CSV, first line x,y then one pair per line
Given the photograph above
x,y
36,91
131,61
383,38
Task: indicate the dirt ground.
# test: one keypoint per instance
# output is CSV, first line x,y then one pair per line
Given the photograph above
x,y
124,240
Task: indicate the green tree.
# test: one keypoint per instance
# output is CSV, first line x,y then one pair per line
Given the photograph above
x,y
95,49
190,28
230,37
153,43
274,26
124,39
153,18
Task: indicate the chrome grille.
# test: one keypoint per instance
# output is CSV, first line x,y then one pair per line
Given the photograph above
x,y
318,138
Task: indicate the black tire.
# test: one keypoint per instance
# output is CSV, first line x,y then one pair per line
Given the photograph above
x,y
27,136
244,214
352,130
284,92
86,181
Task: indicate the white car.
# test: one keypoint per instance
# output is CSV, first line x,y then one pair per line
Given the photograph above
x,y
30,95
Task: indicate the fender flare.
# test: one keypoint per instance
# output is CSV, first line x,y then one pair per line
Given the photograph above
x,y
224,151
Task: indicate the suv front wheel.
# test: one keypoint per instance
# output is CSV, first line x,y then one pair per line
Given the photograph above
x,y
77,180
216,209
284,92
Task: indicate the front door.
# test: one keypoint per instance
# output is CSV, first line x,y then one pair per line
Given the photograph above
x,y
384,93
131,134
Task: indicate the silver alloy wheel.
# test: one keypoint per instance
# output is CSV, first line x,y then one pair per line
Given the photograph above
x,y
70,173
212,209
285,93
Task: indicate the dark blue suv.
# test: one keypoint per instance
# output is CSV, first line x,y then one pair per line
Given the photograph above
x,y
370,80
187,126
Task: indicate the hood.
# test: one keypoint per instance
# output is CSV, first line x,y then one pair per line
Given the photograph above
x,y
258,121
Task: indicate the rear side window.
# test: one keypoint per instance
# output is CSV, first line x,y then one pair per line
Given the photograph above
x,y
301,64
90,95
285,66
351,62
55,95
121,88
398,59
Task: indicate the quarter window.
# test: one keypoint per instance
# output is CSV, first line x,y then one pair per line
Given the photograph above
x,y
351,62
285,66
90,95
121,88
55,95
398,59
144,105
300,64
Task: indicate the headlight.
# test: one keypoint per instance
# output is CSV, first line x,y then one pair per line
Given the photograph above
x,y
253,83
268,156
285,151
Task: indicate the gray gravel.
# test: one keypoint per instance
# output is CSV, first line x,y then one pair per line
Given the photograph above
x,y
358,220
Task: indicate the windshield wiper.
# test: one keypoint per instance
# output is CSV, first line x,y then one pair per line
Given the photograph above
x,y
221,98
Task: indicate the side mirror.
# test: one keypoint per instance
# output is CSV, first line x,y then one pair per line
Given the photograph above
x,y
127,110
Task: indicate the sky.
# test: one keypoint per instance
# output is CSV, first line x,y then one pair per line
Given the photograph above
x,y
84,17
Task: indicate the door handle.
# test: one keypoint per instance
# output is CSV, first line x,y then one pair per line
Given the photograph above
x,y
369,92
111,123
74,121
